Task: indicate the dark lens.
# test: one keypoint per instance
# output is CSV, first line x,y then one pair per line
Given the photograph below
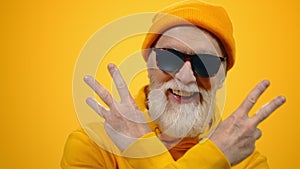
x,y
206,65
168,61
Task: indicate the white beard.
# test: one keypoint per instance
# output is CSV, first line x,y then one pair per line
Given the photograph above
x,y
180,120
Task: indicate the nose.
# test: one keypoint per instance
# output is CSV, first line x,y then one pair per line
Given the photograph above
x,y
186,74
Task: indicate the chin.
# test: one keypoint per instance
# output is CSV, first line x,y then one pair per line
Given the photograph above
x,y
180,110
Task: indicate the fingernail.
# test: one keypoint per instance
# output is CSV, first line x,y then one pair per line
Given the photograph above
x,y
86,78
89,100
282,98
110,66
266,83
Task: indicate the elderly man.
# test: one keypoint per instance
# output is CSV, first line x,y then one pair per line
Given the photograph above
x,y
188,50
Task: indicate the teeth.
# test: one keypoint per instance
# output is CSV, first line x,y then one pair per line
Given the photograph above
x,y
182,93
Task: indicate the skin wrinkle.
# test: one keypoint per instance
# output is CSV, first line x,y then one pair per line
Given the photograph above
x,y
197,115
235,136
168,119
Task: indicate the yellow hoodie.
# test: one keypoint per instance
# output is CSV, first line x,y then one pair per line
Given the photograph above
x,y
148,152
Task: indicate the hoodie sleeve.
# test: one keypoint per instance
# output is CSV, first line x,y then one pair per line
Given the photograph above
x,y
149,152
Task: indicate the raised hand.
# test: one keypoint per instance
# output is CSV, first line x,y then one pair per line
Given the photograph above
x,y
236,136
124,122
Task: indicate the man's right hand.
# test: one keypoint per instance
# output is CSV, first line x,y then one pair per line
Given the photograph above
x,y
124,122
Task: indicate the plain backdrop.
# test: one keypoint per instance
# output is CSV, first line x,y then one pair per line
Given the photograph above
x,y
41,40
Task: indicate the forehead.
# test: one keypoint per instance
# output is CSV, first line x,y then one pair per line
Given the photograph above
x,y
189,39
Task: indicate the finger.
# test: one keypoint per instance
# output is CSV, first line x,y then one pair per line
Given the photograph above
x,y
97,107
100,90
120,83
253,96
257,134
268,109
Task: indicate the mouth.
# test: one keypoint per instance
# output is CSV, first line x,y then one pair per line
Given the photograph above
x,y
182,96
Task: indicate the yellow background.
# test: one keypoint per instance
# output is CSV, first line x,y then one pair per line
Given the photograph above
x,y
41,40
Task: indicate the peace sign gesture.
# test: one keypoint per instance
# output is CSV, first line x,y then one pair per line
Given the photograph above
x,y
236,136
124,122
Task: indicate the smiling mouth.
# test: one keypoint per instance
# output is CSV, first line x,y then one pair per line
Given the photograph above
x,y
183,94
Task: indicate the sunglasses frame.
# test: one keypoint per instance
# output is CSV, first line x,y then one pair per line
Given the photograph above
x,y
201,63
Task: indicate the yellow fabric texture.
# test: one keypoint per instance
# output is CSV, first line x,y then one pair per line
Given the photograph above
x,y
81,152
212,18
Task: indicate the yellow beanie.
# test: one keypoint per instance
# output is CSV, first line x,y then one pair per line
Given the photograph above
x,y
214,19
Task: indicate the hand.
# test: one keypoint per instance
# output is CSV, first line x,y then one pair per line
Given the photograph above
x,y
124,122
236,136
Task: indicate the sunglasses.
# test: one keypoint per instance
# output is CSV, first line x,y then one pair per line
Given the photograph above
x,y
203,65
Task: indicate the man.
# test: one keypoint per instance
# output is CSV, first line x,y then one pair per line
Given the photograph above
x,y
188,50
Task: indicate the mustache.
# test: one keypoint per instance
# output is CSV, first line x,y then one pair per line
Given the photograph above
x,y
173,84
175,119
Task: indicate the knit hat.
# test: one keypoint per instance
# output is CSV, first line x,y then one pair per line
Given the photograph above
x,y
213,19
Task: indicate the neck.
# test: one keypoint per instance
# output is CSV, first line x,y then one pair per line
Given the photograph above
x,y
171,142
178,146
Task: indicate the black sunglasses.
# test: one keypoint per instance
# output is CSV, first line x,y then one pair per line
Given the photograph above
x,y
203,65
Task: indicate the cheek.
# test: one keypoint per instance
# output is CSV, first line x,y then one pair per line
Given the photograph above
x,y
158,76
204,83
